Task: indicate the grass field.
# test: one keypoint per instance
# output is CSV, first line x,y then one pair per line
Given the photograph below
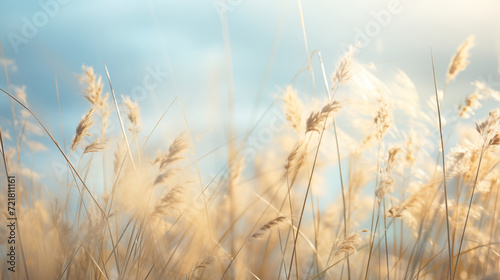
x,y
348,182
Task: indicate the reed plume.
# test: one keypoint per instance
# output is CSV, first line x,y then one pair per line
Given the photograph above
x,y
82,129
267,228
293,108
459,61
317,119
383,119
133,115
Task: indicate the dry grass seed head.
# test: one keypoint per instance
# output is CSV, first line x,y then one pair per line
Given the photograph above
x,y
385,185
82,129
395,212
391,156
267,227
237,167
456,161
93,91
459,61
169,201
163,177
95,146
489,129
410,149
207,262
471,103
296,159
344,69
386,178
293,108
119,156
133,114
481,91
317,119
175,151
383,119
348,244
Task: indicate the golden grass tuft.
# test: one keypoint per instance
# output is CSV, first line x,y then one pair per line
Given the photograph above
x,y
459,61
290,206
82,129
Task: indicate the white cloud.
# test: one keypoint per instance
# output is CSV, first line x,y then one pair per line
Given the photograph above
x,y
35,146
6,135
9,64
21,94
32,128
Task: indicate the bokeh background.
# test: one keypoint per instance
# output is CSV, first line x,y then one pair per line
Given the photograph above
x,y
226,61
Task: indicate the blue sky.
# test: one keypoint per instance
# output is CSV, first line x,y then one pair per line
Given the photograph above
x,y
186,40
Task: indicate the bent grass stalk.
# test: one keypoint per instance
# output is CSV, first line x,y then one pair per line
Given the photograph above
x,y
120,119
60,150
339,164
175,244
444,170
468,210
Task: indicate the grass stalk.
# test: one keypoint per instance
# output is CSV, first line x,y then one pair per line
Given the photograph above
x,y
450,264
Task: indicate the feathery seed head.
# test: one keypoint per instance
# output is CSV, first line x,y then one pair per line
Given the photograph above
x,y
95,146
489,129
383,118
82,129
471,103
293,108
316,120
344,69
94,87
459,62
179,146
133,114
349,244
168,201
267,227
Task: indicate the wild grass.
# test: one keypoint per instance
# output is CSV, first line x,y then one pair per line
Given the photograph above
x,y
349,188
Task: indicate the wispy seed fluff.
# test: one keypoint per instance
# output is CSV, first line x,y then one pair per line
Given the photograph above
x,y
386,178
133,114
82,129
383,118
267,227
296,159
490,129
348,244
168,201
344,69
174,154
459,62
482,91
93,91
175,151
317,119
95,147
471,103
461,159
293,108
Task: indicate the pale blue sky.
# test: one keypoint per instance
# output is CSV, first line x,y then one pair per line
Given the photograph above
x,y
185,39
